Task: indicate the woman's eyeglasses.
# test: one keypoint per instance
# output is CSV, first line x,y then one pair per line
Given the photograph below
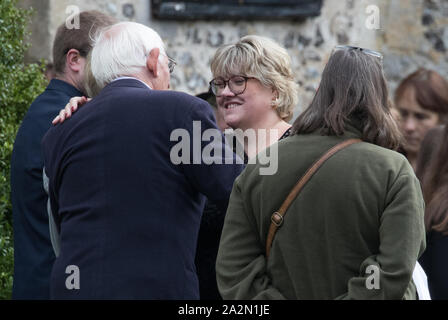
x,y
364,50
237,85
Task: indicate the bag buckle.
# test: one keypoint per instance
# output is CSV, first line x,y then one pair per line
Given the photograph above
x,y
277,219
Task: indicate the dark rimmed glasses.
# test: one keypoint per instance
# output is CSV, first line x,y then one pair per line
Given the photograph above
x,y
237,85
364,50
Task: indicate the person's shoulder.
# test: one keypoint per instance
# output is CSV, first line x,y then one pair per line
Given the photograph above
x,y
180,96
167,96
378,152
43,98
381,158
187,103
41,110
51,135
362,154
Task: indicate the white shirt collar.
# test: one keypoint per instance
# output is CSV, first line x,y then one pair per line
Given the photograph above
x,y
126,77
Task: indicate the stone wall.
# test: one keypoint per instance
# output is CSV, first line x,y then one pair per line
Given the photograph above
x,y
414,34
411,33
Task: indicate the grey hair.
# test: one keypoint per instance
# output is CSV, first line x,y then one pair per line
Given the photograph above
x,y
265,60
121,50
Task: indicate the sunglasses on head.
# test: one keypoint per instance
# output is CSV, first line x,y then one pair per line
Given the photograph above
x,y
364,50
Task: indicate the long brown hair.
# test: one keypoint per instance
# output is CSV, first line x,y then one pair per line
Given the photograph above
x,y
432,170
353,87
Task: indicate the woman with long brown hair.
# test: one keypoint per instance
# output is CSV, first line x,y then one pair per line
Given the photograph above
x,y
432,170
421,101
356,229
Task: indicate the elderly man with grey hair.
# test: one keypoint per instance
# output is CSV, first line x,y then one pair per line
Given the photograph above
x,y
126,212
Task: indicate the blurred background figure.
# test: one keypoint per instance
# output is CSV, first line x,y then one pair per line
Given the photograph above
x,y
432,170
421,100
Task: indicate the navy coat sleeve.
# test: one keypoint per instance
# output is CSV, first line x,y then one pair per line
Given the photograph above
x,y
213,165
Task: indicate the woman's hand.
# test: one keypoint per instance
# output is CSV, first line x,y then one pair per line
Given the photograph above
x,y
71,107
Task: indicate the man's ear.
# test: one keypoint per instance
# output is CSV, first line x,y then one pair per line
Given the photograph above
x,y
73,60
152,61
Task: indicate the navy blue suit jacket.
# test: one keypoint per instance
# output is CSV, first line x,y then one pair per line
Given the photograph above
x,y
33,253
129,217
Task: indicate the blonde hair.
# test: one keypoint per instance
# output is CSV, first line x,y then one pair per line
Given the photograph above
x,y
265,60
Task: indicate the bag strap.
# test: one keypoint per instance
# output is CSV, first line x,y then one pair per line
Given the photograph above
x,y
277,217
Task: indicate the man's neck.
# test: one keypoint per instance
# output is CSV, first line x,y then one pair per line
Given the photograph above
x,y
68,80
136,78
143,77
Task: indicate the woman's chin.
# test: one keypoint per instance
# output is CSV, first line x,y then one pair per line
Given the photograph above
x,y
232,122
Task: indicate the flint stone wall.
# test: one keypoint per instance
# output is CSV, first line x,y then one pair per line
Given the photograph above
x,y
410,34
